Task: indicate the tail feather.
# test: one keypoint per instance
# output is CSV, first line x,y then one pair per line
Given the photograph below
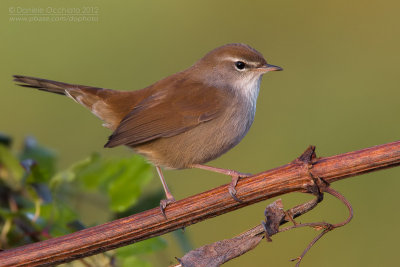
x,y
97,100
43,84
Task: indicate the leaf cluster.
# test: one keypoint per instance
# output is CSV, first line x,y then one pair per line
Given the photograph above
x,y
35,197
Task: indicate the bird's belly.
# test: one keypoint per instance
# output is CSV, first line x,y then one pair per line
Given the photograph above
x,y
198,145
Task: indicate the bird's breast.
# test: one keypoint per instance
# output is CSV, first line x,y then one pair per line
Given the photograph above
x,y
209,139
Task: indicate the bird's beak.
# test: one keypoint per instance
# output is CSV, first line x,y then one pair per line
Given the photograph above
x,y
268,67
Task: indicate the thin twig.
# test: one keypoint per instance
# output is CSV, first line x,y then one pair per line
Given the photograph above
x,y
218,253
339,196
326,226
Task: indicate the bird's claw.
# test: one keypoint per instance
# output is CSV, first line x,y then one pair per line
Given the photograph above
x,y
164,203
232,192
232,186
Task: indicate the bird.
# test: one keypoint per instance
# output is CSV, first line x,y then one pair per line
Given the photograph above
x,y
184,120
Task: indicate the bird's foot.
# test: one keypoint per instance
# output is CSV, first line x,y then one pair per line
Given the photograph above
x,y
234,174
164,203
232,186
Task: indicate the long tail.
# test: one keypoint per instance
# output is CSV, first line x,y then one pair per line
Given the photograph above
x,y
49,85
94,98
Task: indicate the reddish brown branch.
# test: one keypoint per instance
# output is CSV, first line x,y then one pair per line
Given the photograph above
x,y
220,252
288,178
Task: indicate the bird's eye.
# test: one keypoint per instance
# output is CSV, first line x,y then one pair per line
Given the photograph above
x,y
240,65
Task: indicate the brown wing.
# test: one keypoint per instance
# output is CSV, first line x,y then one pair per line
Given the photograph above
x,y
168,112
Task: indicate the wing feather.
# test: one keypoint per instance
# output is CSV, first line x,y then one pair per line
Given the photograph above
x,y
168,113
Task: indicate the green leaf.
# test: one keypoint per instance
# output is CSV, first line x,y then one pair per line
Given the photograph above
x,y
61,178
122,179
11,170
35,181
134,174
56,216
45,159
142,247
6,213
35,175
95,172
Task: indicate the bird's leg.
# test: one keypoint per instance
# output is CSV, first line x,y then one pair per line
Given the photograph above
x,y
234,174
170,197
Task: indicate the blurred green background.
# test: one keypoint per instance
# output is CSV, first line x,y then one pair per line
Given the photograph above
x,y
339,91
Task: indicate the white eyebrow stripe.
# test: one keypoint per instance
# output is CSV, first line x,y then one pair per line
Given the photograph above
x,y
234,59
